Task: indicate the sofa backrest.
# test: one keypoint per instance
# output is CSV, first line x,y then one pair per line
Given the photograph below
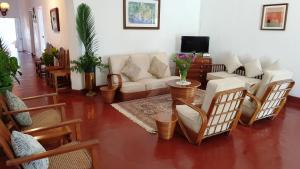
x,y
117,62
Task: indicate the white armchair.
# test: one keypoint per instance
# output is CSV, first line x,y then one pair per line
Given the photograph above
x,y
219,113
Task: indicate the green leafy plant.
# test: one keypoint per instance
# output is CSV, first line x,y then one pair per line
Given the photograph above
x,y
87,35
48,56
9,67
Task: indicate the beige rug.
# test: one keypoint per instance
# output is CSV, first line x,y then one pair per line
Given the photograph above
x,y
142,111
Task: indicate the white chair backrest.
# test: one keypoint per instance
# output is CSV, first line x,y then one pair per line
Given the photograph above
x,y
272,76
228,94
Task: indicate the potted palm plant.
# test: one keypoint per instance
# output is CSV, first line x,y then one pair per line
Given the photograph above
x,y
88,62
8,68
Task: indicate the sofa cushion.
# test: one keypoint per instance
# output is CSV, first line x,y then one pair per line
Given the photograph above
x,y
273,66
219,75
143,61
153,83
116,63
131,70
189,117
253,68
157,68
232,63
248,108
130,87
215,86
272,76
251,84
165,59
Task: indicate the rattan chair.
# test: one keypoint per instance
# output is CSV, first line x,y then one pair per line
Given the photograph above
x,y
219,113
43,116
269,99
75,155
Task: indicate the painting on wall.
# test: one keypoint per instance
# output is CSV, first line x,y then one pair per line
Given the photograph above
x,y
54,15
141,14
274,17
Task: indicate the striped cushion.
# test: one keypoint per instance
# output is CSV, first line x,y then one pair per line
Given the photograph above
x,y
25,145
15,103
79,159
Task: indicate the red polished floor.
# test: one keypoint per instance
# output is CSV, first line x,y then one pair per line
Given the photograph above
x,y
123,144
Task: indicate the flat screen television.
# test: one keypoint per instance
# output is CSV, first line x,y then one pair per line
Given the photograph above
x,y
198,44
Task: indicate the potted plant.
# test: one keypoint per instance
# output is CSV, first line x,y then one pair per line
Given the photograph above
x,y
49,56
183,63
88,62
8,68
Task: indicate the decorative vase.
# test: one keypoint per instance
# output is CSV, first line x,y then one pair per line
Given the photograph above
x,y
90,83
183,75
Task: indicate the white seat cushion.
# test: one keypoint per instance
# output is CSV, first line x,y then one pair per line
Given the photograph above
x,y
130,87
219,75
250,83
272,76
215,86
189,117
153,83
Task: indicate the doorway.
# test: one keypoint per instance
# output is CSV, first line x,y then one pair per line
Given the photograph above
x,y
37,31
10,35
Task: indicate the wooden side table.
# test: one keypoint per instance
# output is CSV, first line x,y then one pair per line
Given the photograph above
x,y
186,92
166,124
108,93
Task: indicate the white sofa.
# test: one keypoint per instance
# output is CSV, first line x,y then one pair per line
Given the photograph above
x,y
147,84
219,72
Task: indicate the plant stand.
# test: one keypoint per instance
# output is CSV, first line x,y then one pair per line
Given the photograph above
x,y
108,93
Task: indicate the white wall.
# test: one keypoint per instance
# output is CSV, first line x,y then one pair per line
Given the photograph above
x,y
234,26
178,18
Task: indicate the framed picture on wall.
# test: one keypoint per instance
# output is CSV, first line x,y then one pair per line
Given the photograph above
x,y
54,15
274,16
141,14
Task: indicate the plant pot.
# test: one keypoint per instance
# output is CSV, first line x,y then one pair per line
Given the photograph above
x,y
90,83
3,89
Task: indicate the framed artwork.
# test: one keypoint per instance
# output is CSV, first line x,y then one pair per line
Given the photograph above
x,y
54,15
274,17
141,14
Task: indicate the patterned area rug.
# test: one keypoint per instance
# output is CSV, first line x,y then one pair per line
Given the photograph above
x,y
142,111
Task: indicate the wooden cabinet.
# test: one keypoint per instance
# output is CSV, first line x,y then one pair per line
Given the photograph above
x,y
198,70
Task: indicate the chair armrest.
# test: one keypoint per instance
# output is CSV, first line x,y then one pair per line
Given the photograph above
x,y
254,99
110,80
199,110
57,151
62,124
35,108
39,96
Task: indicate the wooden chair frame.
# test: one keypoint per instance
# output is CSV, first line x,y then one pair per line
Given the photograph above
x,y
196,138
58,106
13,161
267,99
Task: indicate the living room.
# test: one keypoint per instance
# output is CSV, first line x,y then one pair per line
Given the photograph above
x,y
144,108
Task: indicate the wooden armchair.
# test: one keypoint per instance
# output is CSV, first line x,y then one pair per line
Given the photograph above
x,y
219,113
42,116
71,155
269,99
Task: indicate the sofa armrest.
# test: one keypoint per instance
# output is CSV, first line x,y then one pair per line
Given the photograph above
x,y
110,80
217,67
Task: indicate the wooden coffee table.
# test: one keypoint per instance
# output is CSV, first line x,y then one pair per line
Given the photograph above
x,y
187,92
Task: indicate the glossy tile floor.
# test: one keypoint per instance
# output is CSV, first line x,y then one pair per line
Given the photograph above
x,y
266,145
